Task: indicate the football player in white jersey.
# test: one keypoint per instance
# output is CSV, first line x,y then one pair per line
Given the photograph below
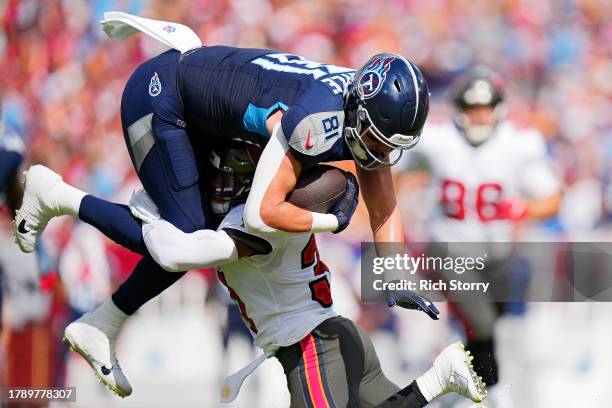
x,y
489,174
283,290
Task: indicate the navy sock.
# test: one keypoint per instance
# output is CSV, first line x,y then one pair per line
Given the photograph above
x,y
146,281
409,397
115,221
9,163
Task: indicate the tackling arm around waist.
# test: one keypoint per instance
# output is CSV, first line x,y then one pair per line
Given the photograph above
x,y
177,251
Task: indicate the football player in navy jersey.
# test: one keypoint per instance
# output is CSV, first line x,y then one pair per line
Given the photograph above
x,y
177,107
11,155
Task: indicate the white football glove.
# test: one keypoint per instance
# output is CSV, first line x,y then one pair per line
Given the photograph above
x,y
143,207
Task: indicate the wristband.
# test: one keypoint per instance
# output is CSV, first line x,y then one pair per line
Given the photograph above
x,y
323,222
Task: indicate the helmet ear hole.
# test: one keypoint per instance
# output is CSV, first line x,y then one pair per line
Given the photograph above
x,y
397,86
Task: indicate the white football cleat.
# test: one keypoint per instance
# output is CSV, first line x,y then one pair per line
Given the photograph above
x,y
84,337
37,208
456,373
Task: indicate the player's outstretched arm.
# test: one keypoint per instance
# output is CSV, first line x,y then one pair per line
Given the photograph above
x,y
541,189
266,211
386,223
177,251
546,207
379,197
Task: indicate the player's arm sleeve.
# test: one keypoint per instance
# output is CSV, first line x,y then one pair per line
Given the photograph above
x,y
538,179
259,244
267,169
176,251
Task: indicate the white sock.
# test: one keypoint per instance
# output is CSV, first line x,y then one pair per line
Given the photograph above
x,y
67,198
429,385
108,318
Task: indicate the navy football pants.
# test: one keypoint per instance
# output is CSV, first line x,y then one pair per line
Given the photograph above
x,y
168,167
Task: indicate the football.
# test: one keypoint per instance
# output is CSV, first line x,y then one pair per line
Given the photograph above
x,y
319,188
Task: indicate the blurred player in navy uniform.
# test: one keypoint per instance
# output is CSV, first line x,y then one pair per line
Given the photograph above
x,y
489,175
11,156
20,276
177,107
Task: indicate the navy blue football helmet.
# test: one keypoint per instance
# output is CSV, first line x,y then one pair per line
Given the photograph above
x,y
387,102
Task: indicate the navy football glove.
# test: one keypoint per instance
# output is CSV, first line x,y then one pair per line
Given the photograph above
x,y
411,300
345,207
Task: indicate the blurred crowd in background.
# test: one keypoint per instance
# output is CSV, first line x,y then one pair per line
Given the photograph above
x,y
61,81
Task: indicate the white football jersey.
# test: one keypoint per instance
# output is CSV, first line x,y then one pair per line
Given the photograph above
x,y
284,294
469,180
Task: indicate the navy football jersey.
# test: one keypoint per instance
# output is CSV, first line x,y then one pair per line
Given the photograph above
x,y
229,92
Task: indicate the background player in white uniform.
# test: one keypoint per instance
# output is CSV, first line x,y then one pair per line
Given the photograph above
x,y
488,175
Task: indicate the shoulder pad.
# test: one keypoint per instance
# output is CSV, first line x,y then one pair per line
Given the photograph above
x,y
233,225
316,133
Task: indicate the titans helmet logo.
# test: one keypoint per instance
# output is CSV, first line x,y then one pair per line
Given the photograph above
x,y
374,76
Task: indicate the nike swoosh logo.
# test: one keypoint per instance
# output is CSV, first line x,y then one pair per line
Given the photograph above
x,y
106,371
21,228
308,144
